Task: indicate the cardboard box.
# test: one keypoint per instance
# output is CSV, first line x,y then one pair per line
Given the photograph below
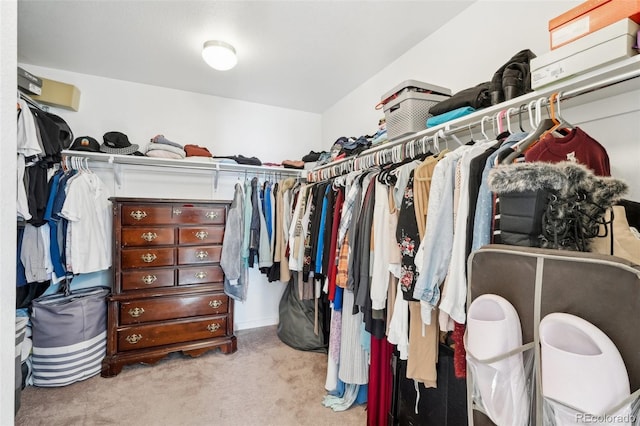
x,y
609,44
58,94
588,17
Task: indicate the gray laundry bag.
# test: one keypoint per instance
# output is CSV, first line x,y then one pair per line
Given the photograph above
x,y
69,336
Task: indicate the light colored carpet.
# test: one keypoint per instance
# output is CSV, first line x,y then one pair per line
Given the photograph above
x,y
264,383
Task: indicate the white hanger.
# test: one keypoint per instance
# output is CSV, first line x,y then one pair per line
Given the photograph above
x,y
482,127
436,143
539,110
508,120
532,121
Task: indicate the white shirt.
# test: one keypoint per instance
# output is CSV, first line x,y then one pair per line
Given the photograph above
x,y
399,325
381,256
88,211
27,137
454,298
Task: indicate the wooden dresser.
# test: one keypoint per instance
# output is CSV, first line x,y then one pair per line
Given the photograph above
x,y
168,284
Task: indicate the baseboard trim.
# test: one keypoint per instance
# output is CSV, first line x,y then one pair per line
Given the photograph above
x,y
256,323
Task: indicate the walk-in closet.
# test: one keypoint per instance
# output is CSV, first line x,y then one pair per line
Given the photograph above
x,y
320,213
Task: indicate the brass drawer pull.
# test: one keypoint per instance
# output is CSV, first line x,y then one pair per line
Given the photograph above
x,y
149,236
148,257
177,212
211,215
201,275
201,235
133,338
136,312
202,254
213,327
215,304
138,214
149,279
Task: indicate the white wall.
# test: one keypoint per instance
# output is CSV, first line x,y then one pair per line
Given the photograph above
x,y
225,126
467,51
464,52
8,55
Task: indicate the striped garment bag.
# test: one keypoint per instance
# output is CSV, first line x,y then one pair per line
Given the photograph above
x,y
21,331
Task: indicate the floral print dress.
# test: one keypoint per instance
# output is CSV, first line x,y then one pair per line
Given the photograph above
x,y
407,237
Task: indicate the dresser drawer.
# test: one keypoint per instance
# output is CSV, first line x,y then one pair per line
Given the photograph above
x,y
147,236
201,254
144,258
142,279
194,214
201,235
172,307
180,331
146,215
200,275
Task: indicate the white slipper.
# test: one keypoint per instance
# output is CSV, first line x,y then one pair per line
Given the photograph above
x,y
493,329
581,367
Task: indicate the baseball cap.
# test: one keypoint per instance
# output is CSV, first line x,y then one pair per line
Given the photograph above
x,y
85,143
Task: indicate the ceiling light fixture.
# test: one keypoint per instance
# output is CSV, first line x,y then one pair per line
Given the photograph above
x,y
219,55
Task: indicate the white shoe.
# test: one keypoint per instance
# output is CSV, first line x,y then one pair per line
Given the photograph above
x,y
493,329
581,368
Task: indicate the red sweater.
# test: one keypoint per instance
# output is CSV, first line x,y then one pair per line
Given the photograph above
x,y
577,146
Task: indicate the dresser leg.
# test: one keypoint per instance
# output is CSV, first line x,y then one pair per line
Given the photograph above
x,y
230,347
110,367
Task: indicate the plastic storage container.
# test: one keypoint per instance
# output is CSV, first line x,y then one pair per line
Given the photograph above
x,y
406,106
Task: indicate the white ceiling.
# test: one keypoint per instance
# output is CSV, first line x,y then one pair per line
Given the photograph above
x,y
304,55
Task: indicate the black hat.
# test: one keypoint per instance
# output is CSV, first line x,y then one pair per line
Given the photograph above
x,y
117,143
85,143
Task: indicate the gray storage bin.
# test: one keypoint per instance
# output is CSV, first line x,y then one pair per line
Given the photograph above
x,y
407,106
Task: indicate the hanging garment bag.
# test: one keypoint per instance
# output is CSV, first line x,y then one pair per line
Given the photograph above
x,y
553,290
69,336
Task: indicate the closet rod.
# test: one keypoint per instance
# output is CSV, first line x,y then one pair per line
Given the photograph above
x,y
475,119
30,101
184,164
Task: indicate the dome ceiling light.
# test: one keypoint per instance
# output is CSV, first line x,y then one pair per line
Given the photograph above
x,y
219,55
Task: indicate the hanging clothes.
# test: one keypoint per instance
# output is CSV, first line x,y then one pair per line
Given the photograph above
x,y
231,260
438,235
89,236
408,240
577,146
254,235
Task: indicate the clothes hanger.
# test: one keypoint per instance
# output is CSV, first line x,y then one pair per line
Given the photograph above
x,y
436,143
499,117
472,139
523,106
553,114
563,123
508,119
482,127
501,134
542,126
